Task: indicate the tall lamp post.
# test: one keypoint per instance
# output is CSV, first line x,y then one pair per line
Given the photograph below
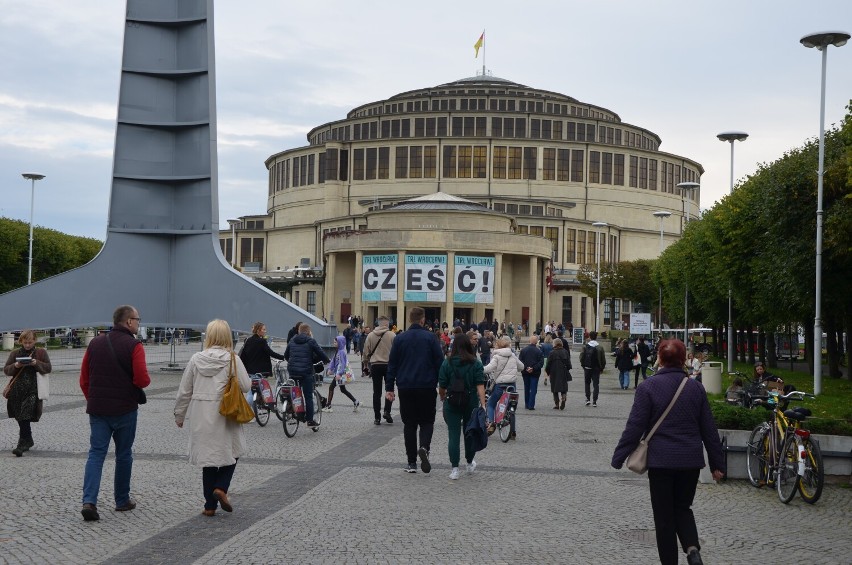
x,y
32,177
731,137
662,214
821,41
598,247
687,187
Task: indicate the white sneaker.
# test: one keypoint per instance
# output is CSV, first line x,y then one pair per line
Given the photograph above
x,y
357,404
454,474
471,467
327,409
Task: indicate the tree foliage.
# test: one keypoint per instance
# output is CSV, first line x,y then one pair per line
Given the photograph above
x,y
53,252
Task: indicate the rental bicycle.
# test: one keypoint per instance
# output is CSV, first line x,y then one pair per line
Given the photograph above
x,y
291,403
264,399
781,451
504,412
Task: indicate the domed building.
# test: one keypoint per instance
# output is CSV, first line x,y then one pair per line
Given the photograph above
x,y
472,199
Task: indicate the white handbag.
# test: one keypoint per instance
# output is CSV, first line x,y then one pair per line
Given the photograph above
x,y
43,382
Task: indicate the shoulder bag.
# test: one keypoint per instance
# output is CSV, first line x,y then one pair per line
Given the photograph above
x,y
234,405
638,460
7,390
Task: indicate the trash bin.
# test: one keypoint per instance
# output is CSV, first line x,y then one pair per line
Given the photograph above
x,y
8,341
88,336
711,376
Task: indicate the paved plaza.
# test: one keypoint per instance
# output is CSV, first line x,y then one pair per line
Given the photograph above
x,y
340,495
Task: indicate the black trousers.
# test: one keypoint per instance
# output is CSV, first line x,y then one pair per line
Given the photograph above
x,y
593,378
213,478
378,372
417,410
672,493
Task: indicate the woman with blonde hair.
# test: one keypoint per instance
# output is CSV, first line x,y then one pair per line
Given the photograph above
x,y
215,442
23,403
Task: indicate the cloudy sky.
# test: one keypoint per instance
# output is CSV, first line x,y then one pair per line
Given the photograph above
x,y
684,70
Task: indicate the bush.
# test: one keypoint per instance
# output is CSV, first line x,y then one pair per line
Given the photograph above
x,y
729,417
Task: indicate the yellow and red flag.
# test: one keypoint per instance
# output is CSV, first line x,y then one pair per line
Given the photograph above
x,y
478,44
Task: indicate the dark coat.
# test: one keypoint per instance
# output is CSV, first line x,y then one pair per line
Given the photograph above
x,y
677,443
414,360
531,356
301,353
477,429
256,354
644,352
558,368
624,359
111,389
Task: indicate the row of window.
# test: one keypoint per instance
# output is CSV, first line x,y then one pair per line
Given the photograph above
x,y
482,104
471,162
477,126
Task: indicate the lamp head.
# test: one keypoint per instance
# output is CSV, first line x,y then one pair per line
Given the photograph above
x,y
688,185
32,176
732,136
662,214
823,39
600,224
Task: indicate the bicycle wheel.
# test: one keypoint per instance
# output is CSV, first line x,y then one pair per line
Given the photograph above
x,y
812,480
291,424
757,451
317,408
261,412
787,477
505,427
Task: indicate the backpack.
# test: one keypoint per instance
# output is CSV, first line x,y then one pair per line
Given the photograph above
x,y
457,395
589,357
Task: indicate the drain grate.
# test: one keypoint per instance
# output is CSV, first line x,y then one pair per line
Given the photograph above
x,y
641,536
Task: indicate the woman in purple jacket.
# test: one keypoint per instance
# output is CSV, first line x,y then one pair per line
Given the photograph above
x,y
675,452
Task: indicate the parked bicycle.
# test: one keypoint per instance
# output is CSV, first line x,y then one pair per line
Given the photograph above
x,y
781,452
504,413
264,398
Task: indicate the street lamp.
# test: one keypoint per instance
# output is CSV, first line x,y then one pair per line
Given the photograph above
x,y
32,177
821,41
662,214
598,247
684,188
731,137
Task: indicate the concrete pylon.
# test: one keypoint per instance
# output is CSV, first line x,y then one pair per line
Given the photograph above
x,y
162,251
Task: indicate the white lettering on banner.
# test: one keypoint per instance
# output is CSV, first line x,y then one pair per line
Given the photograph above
x,y
379,281
425,278
474,279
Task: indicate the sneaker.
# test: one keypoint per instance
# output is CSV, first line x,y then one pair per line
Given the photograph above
x,y
410,468
388,418
378,422
312,424
425,466
694,558
357,404
513,435
588,403
327,409
594,405
127,506
471,467
454,474
90,513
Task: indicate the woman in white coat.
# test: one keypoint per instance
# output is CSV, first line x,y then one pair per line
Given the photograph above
x,y
215,442
505,367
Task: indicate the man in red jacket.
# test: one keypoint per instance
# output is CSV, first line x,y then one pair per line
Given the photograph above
x,y
112,377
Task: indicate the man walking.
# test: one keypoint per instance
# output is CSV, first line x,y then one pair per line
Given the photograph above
x,y
413,365
533,360
593,361
112,377
377,350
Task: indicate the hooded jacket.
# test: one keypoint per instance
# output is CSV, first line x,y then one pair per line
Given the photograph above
x,y
377,348
338,364
214,440
504,366
301,354
600,352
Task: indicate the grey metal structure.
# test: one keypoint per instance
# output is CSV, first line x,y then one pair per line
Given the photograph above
x,y
162,251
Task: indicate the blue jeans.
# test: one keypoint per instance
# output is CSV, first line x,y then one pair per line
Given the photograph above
x,y
624,378
530,390
122,430
307,386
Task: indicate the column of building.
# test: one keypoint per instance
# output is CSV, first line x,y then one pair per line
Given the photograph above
x,y
401,320
328,301
356,288
498,287
534,293
450,286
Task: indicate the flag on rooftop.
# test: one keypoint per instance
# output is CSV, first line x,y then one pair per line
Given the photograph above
x,y
478,44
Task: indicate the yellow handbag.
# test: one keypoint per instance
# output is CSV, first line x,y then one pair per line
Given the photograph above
x,y
234,405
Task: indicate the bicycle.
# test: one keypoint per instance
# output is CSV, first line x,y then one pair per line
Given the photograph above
x,y
504,413
291,405
780,451
264,400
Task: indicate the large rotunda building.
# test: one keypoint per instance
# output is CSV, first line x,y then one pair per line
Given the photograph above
x,y
472,199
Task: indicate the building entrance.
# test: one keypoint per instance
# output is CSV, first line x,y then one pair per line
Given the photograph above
x,y
463,314
432,314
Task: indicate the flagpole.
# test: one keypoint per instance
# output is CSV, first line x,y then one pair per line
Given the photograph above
x,y
483,52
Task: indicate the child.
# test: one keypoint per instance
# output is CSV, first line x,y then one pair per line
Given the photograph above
x,y
337,367
734,394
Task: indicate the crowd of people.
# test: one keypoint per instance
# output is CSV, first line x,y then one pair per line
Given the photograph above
x,y
466,370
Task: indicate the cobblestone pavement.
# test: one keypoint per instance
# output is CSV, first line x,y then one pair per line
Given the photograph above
x,y
339,495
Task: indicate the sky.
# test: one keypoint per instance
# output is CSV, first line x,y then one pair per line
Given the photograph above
x,y
683,70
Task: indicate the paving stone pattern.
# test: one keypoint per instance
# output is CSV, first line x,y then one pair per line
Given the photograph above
x,y
339,495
